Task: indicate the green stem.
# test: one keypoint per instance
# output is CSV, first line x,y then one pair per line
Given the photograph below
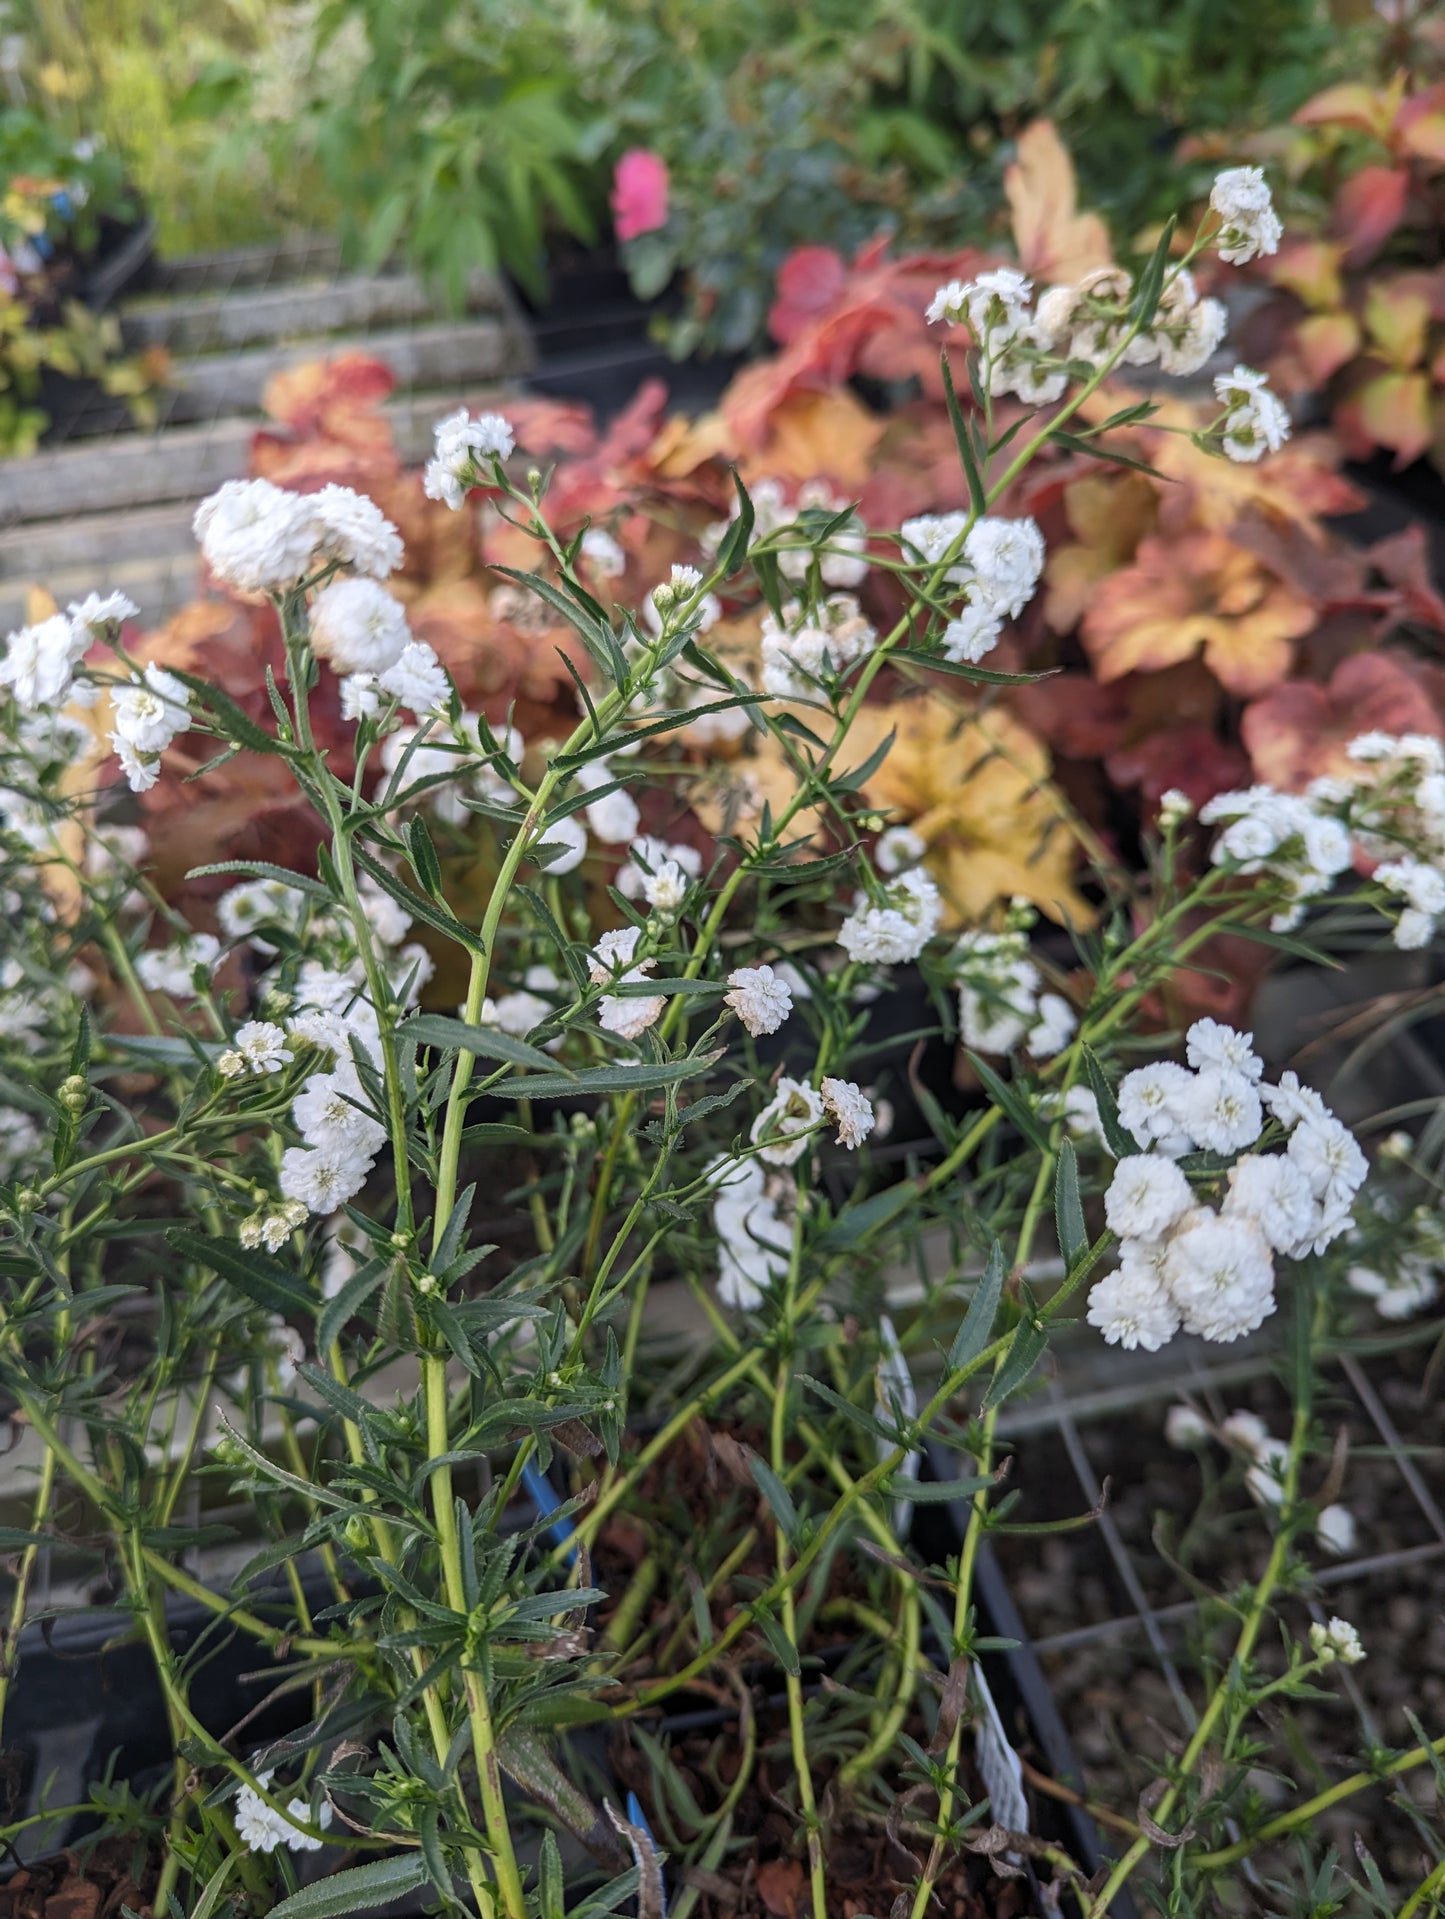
x,y
44,1492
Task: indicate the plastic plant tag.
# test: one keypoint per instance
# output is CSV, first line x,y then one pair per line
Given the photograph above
x,y
998,1763
897,1400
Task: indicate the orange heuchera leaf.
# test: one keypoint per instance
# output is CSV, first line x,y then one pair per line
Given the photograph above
x,y
1299,732
303,396
1191,758
1368,208
1054,240
818,436
1199,591
1393,411
1325,342
1108,513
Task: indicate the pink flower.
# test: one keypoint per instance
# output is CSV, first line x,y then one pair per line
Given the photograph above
x,y
639,193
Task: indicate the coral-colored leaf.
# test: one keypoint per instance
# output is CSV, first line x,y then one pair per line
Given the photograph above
x,y
1325,342
301,396
1368,208
1395,411
1054,240
809,284
1197,592
1299,732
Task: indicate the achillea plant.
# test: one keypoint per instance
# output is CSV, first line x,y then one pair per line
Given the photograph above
x,y
288,1176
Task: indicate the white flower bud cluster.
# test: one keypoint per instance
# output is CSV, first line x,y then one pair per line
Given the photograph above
x,y
1001,1001
1391,812
842,560
1183,1262
896,931
804,654
1337,1640
40,660
462,444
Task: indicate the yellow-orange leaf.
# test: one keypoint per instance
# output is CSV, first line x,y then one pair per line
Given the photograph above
x,y
1326,341
1398,318
1395,412
1108,513
1054,240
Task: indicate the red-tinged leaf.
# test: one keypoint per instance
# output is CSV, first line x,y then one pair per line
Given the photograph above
x,y
1404,560
809,283
1370,109
1395,411
1398,319
1367,210
1192,758
1325,342
305,397
1300,731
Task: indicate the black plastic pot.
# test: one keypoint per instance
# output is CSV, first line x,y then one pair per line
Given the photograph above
x,y
77,407
593,340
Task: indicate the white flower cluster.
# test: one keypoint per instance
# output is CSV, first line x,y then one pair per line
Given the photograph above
x,y
40,660
659,872
676,606
462,443
1391,814
754,1240
1029,352
896,931
262,1829
761,998
614,962
783,1128
842,560
1182,1262
805,652
1001,1004
146,716
1268,1457
1248,223
172,969
1088,322
260,538
1255,421
999,565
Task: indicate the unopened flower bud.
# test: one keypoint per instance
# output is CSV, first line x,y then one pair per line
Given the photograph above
x,y
429,1284
74,1093
357,1533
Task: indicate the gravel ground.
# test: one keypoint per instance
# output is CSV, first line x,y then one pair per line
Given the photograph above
x,y
1124,1707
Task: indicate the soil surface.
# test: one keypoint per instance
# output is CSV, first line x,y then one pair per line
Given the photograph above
x,y
94,1884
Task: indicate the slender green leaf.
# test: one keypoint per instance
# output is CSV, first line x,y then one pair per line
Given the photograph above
x,y
974,1334
1068,1207
266,1281
435,1029
356,1889
1120,1143
1026,1350
1011,1102
777,1496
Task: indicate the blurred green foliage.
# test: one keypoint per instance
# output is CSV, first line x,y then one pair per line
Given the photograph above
x,y
474,133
